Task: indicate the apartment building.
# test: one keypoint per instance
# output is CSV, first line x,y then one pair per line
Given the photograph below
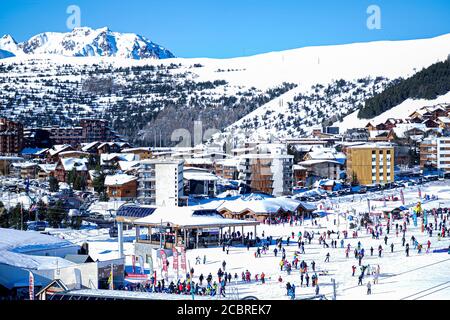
x,y
160,182
268,173
443,153
428,153
89,130
371,163
11,137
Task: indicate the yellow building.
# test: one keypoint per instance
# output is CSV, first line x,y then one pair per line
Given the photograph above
x,y
371,163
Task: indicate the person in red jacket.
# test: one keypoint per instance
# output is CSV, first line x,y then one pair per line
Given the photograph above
x,y
263,277
353,270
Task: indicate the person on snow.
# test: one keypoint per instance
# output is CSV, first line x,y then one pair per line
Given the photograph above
x,y
313,265
369,288
263,278
392,247
317,290
385,240
275,251
307,279
353,270
327,259
360,279
407,250
380,249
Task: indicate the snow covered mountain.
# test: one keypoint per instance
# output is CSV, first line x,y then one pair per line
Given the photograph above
x,y
282,93
84,42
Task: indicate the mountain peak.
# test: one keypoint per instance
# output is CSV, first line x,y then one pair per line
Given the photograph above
x,y
85,41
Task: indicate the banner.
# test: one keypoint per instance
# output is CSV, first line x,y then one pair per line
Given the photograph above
x,y
164,260
141,263
31,286
175,259
183,259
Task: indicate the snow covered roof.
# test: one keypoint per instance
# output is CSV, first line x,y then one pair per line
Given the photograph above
x,y
57,148
263,206
47,167
445,120
118,179
88,146
198,161
189,217
78,164
232,162
198,174
24,165
105,157
17,247
128,165
313,162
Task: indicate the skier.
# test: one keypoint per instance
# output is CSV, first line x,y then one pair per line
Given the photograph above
x,y
275,251
313,265
327,259
380,249
307,279
317,290
392,247
204,259
385,240
353,270
407,250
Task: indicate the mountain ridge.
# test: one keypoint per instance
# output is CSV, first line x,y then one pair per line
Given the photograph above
x,y
87,42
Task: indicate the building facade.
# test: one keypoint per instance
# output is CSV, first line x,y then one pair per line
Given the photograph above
x,y
268,173
11,137
160,182
371,164
443,153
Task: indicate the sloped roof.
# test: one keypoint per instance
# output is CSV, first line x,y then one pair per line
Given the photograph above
x,y
118,179
189,217
78,164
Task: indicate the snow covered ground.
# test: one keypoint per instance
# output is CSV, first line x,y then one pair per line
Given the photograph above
x,y
420,276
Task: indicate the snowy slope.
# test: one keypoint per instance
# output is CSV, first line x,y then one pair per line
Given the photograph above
x,y
305,106
84,41
400,111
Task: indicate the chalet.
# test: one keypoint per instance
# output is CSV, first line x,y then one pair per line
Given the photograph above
x,y
66,165
370,127
443,122
430,123
53,152
74,154
142,153
45,171
121,187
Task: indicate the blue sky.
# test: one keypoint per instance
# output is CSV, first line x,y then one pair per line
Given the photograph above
x,y
230,28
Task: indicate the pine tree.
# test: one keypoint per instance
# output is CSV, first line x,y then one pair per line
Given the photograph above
x,y
53,184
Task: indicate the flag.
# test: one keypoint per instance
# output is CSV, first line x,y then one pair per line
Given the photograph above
x,y
402,196
31,285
